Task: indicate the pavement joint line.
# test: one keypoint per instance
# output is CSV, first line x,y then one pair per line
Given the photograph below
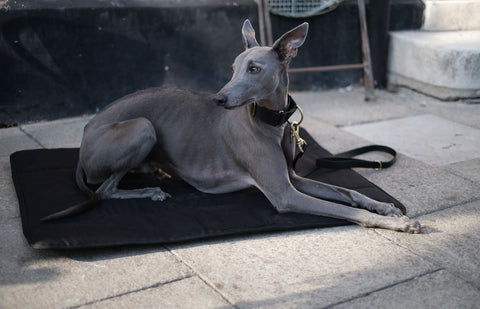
x,y
205,280
467,281
458,99
153,286
472,200
452,171
426,259
340,126
31,136
362,295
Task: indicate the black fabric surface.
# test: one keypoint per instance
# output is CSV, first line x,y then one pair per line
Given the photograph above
x,y
44,181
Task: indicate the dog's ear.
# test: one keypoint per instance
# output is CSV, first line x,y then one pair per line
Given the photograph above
x,y
286,46
248,35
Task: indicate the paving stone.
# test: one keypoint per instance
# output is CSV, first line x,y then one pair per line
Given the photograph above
x,y
8,197
451,241
306,269
427,138
13,139
458,111
347,108
422,188
63,133
332,138
8,208
186,293
437,290
58,279
469,169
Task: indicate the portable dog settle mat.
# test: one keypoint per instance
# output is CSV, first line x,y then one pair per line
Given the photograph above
x,y
45,183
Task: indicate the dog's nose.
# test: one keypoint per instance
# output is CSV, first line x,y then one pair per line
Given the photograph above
x,y
220,99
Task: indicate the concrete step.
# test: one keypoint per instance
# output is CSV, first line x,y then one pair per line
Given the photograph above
x,y
444,64
447,15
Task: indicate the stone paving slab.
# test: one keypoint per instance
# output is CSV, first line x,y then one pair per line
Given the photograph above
x,y
348,108
427,138
423,188
52,279
337,109
452,240
64,133
306,269
332,138
13,139
469,169
459,111
8,198
439,289
186,293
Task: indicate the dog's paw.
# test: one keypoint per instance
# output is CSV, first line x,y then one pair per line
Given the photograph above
x,y
410,226
160,196
400,224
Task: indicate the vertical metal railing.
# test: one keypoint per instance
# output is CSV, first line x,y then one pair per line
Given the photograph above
x,y
366,65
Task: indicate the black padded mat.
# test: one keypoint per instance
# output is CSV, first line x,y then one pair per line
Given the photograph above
x,y
44,182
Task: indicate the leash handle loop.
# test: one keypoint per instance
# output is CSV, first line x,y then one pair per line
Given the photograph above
x,y
345,159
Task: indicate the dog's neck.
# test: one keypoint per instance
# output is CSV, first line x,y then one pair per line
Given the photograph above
x,y
276,108
277,100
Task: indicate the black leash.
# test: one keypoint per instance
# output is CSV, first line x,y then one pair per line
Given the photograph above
x,y
299,155
345,159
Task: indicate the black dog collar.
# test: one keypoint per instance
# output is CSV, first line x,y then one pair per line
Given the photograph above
x,y
271,117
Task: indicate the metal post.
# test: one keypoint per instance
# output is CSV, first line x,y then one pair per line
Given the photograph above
x,y
268,22
261,22
367,61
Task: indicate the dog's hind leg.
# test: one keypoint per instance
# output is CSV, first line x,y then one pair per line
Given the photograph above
x,y
109,190
110,151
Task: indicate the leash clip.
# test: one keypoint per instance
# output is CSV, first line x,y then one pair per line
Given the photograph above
x,y
295,130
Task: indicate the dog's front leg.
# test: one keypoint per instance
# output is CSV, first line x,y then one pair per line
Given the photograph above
x,y
330,192
335,193
277,186
292,200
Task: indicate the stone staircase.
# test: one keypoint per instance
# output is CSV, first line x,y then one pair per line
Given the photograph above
x,y
443,58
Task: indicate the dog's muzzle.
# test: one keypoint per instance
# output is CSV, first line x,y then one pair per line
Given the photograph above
x,y
220,100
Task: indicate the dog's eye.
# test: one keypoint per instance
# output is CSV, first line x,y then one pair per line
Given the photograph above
x,y
253,69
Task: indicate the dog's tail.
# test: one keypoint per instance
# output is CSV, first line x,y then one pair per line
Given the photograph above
x,y
79,208
80,179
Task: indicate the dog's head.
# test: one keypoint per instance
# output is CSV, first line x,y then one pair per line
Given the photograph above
x,y
259,72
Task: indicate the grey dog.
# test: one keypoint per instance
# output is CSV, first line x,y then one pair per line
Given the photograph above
x,y
222,147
